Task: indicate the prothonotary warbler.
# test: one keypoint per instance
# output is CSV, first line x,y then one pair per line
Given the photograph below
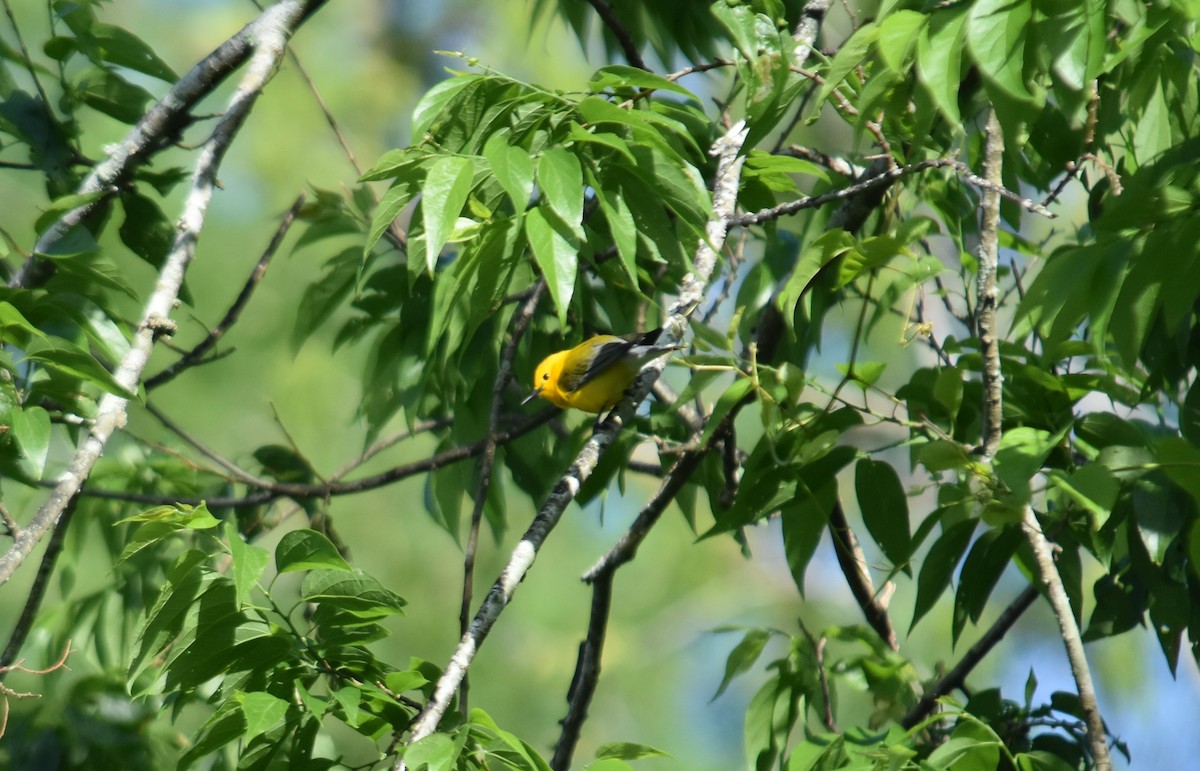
x,y
594,375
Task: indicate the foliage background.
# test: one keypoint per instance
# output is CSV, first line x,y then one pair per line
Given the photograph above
x,y
371,61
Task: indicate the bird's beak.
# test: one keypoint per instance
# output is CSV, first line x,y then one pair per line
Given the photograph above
x,y
536,393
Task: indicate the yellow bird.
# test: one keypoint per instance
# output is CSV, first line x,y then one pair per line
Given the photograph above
x,y
594,375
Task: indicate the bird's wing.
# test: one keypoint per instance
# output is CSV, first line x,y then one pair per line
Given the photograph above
x,y
587,369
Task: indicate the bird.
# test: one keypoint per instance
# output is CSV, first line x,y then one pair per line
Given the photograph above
x,y
594,375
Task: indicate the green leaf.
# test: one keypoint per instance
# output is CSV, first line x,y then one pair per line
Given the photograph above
x,y
997,31
622,228
625,79
307,550
743,656
249,562
179,515
813,259
849,56
114,96
435,101
1093,487
261,711
1040,760
325,295
1020,455
31,431
446,188
121,47
560,180
513,169
227,724
939,566
803,522
146,230
939,59
942,455
628,751
884,509
967,754
69,359
898,33
989,556
555,254
356,593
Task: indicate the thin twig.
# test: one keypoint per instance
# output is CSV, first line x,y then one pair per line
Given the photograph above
x,y
957,676
503,376
270,36
37,591
818,645
196,355
333,488
620,32
705,67
884,178
691,293
236,472
600,576
10,525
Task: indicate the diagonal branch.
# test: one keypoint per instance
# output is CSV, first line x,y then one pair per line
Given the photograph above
x,y
853,563
196,355
165,120
957,676
271,33
489,458
620,32
724,201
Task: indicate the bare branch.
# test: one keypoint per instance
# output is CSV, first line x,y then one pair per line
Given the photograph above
x,y
269,38
1056,593
620,32
985,316
37,591
883,178
1043,552
691,292
196,355
333,488
503,376
163,122
957,676
853,563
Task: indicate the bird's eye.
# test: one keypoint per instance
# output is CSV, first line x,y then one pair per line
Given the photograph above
x,y
546,376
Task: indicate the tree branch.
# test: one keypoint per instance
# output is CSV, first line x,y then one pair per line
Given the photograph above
x,y
853,563
33,601
691,292
620,32
270,38
957,676
333,487
882,177
985,291
196,355
163,122
1043,552
503,376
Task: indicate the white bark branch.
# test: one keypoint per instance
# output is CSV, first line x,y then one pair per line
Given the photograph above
x,y
1043,552
692,291
269,40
